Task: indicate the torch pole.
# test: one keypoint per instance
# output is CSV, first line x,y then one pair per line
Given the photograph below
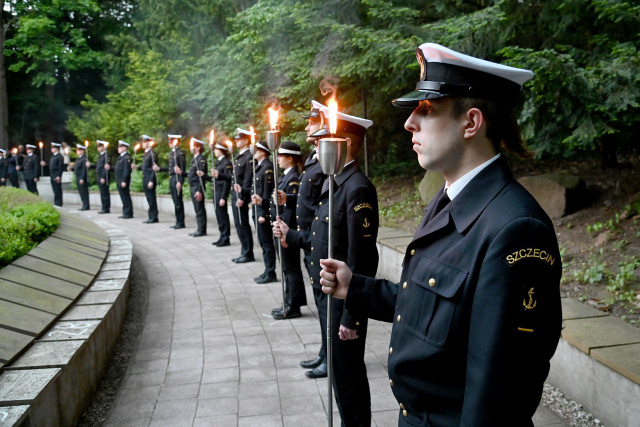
x,y
195,160
332,154
213,180
235,181
273,140
42,160
255,207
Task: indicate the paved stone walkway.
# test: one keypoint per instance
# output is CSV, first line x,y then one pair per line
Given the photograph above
x,y
210,353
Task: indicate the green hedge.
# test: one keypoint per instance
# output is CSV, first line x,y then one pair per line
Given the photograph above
x,y
25,221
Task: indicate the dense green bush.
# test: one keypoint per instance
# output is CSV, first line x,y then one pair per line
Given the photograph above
x,y
25,221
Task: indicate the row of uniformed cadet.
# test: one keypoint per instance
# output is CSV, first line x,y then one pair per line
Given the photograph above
x,y
476,318
355,232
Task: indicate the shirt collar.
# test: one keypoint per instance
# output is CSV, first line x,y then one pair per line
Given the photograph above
x,y
287,170
454,189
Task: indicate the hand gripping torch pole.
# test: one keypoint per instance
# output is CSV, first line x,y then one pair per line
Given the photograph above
x,y
332,154
273,141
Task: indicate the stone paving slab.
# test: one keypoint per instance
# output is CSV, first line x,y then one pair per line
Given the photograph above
x,y
587,334
108,266
107,285
24,319
73,330
76,246
86,312
574,309
622,359
69,259
41,281
30,297
102,297
22,387
53,354
12,342
13,415
51,269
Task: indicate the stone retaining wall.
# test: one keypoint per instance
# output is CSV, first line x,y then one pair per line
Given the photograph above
x,y
52,382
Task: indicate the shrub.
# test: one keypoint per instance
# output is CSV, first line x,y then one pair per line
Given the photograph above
x,y
25,221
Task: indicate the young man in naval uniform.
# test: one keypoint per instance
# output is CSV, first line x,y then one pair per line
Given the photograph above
x,y
56,167
476,314
102,176
31,168
355,233
241,196
123,179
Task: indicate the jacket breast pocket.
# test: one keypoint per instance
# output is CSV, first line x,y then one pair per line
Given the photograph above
x,y
431,303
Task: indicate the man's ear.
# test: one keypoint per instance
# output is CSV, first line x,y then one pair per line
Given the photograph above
x,y
474,119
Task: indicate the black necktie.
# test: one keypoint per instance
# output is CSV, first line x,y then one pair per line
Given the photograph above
x,y
442,201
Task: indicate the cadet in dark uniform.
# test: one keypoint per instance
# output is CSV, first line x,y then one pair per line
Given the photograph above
x,y
81,169
477,313
123,179
4,167
31,169
262,199
197,180
177,167
356,230
102,176
222,180
289,160
241,196
13,168
149,178
56,167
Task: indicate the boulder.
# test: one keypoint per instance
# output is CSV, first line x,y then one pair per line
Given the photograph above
x,y
558,194
431,183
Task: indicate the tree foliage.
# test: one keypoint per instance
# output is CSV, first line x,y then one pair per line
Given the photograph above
x,y
189,66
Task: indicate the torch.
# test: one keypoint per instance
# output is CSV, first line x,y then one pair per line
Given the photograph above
x,y
86,154
213,177
273,141
106,162
135,152
235,178
15,154
155,174
332,152
175,158
252,150
41,158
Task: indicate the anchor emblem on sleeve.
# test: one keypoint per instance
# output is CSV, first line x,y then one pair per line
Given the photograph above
x,y
531,304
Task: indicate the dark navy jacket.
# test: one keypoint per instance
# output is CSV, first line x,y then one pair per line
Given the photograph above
x,y
477,312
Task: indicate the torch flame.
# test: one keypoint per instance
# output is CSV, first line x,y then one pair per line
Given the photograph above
x,y
40,143
229,144
211,137
273,117
191,144
15,151
86,143
175,142
106,144
333,116
253,134
137,147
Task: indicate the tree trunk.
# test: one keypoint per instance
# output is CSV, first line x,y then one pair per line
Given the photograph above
x,y
4,104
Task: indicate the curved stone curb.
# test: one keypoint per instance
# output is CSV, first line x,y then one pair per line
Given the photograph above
x,y
52,383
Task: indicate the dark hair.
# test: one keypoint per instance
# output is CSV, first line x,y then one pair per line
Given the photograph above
x,y
502,126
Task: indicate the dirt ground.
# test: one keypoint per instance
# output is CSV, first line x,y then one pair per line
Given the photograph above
x,y
594,240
